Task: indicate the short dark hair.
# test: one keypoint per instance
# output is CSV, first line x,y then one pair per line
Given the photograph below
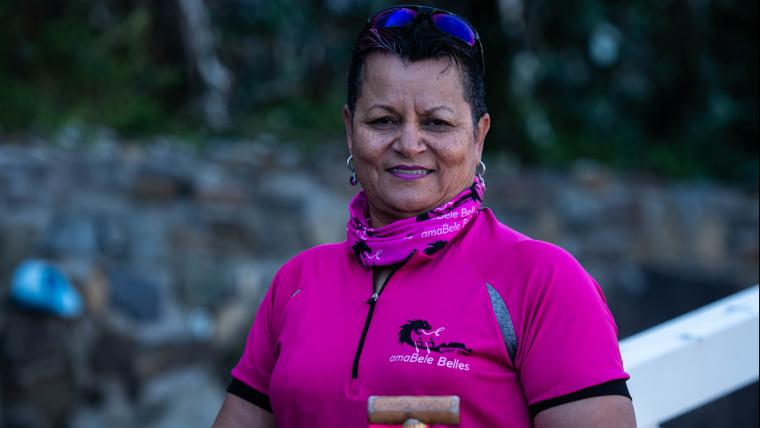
x,y
419,41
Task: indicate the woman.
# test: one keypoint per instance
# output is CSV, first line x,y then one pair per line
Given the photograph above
x,y
430,294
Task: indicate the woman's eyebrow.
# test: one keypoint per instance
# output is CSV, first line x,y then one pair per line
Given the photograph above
x,y
434,109
384,107
427,112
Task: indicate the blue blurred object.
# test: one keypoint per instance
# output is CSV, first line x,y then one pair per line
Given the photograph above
x,y
40,285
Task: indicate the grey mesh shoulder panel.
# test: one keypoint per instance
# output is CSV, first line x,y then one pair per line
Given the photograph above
x,y
505,322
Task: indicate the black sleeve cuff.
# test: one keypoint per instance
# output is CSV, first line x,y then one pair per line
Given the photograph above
x,y
613,387
249,394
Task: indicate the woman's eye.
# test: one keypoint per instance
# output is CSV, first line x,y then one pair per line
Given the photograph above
x,y
437,123
382,121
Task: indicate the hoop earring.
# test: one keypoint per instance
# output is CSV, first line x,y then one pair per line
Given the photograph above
x,y
351,180
480,173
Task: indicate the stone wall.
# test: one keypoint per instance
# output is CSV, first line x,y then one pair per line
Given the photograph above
x,y
173,246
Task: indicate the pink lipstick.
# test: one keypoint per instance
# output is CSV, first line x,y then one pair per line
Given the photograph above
x,y
407,172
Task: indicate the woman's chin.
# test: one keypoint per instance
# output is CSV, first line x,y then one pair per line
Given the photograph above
x,y
412,206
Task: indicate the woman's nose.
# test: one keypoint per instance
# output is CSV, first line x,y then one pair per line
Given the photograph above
x,y
410,142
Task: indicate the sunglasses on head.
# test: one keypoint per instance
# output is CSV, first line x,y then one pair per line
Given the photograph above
x,y
445,21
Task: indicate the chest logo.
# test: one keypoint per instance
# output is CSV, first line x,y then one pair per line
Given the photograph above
x,y
420,335
426,340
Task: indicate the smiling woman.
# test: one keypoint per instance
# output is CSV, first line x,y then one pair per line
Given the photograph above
x,y
429,294
414,143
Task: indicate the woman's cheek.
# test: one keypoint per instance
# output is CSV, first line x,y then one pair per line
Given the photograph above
x,y
367,145
452,154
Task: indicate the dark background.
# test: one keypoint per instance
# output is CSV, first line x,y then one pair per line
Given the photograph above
x,y
664,86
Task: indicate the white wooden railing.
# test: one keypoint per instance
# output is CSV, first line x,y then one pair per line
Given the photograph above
x,y
693,359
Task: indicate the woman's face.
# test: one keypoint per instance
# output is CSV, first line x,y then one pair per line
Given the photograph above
x,y
412,136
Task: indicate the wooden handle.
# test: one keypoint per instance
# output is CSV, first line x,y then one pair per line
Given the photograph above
x,y
394,410
414,423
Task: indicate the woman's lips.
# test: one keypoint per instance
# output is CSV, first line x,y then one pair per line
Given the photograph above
x,y
410,172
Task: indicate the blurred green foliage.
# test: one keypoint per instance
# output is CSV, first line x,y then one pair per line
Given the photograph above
x,y
61,63
667,86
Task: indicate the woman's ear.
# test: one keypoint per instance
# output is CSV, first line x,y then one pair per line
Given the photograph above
x,y
484,124
348,123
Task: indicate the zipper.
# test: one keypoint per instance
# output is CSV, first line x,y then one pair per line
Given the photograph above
x,y
372,302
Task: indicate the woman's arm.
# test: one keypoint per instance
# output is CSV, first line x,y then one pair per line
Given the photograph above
x,y
238,413
596,412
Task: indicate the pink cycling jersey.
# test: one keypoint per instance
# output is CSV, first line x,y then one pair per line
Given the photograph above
x,y
510,324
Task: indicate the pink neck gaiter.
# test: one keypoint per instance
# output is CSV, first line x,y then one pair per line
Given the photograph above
x,y
428,232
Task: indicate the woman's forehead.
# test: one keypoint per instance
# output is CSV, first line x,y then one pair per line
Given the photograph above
x,y
385,66
431,83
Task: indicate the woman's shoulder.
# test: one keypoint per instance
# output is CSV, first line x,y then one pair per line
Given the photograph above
x,y
315,257
489,235
318,254
311,263
497,249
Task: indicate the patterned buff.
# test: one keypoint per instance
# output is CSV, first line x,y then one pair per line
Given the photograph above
x,y
428,232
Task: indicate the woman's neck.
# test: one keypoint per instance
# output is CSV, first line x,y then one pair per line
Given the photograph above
x,y
380,275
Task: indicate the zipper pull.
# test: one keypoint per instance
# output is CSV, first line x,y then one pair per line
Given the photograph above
x,y
373,298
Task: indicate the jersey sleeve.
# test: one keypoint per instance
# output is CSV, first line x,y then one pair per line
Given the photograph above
x,y
568,349
251,375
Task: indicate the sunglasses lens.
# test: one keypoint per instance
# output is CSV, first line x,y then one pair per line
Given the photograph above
x,y
454,26
394,18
